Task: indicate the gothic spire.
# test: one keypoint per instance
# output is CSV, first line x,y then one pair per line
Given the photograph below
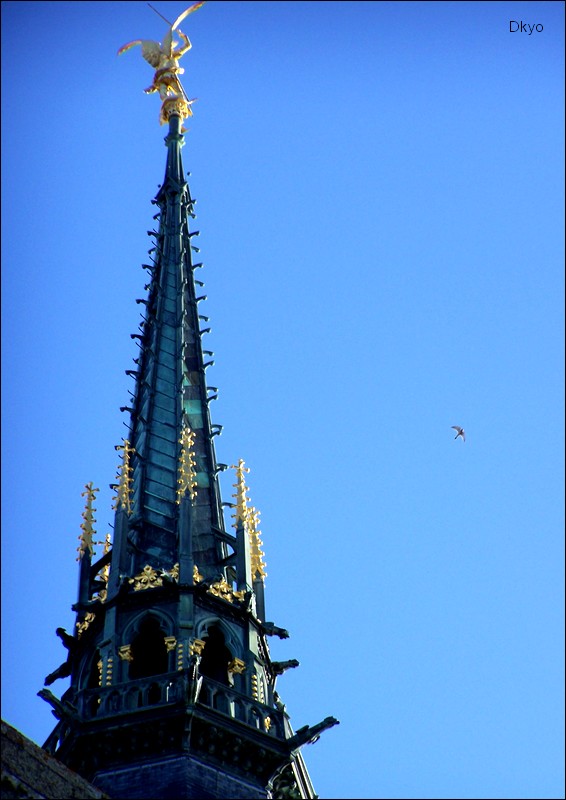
x,y
172,683
171,398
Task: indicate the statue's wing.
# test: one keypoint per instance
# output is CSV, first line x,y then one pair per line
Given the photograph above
x,y
168,40
168,43
151,51
186,13
128,46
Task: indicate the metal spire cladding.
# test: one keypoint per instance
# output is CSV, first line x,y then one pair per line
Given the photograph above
x,y
171,398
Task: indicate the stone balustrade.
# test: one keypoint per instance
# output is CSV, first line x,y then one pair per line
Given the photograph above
x,y
173,687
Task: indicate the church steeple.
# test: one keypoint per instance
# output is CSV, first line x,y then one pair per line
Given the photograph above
x,y
171,399
173,690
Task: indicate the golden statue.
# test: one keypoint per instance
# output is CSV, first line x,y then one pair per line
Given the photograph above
x,y
164,57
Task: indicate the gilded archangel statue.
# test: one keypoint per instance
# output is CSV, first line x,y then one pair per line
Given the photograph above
x,y
164,58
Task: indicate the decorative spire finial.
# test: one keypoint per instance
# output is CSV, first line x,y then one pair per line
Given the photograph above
x,y
240,496
248,516
187,465
87,526
164,57
124,497
256,553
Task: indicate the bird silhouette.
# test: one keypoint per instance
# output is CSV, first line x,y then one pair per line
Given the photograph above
x,y
461,432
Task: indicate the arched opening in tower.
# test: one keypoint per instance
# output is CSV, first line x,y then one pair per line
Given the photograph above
x,y
149,652
215,657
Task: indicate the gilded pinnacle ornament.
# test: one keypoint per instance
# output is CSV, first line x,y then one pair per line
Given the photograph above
x,y
123,498
87,526
187,465
256,553
248,516
240,496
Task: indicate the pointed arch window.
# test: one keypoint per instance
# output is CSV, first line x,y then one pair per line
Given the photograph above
x,y
149,651
215,656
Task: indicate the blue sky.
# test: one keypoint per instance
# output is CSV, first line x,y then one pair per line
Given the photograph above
x,y
380,199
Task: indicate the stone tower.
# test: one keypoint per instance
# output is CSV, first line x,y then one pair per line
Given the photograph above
x,y
173,690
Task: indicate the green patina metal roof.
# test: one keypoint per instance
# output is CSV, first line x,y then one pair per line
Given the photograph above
x,y
171,387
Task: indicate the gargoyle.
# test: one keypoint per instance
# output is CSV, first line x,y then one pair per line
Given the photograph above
x,y
68,641
279,667
66,667
271,629
310,734
61,709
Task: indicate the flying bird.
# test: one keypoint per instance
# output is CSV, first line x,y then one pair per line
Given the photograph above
x,y
461,432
